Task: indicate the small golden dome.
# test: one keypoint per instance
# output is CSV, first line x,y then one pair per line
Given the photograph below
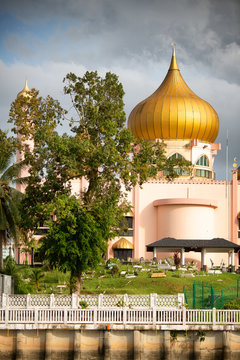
x,y
122,244
25,91
174,112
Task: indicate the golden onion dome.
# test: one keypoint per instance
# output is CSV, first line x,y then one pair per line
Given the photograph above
x,y
174,112
122,244
25,91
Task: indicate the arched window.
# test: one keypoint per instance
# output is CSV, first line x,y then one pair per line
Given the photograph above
x,y
203,161
176,156
177,169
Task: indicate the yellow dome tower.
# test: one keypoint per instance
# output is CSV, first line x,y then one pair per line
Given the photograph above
x,y
174,112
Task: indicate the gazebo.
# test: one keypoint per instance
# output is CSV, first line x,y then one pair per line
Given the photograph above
x,y
184,245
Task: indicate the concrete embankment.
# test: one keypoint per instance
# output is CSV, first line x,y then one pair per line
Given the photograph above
x,y
137,343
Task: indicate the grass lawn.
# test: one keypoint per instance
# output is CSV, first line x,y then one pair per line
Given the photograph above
x,y
142,284
105,281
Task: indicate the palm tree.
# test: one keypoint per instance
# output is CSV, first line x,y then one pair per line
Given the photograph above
x,y
9,196
36,277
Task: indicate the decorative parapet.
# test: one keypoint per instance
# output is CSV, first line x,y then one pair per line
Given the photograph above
x,y
181,319
51,301
188,181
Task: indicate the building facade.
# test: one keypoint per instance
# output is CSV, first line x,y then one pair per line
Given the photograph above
x,y
195,206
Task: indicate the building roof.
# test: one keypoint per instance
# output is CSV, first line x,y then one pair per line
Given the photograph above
x,y
174,112
193,245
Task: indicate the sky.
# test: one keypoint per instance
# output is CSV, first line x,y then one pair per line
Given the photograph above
x,y
42,41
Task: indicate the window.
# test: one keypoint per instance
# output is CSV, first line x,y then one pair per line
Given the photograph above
x,y
129,223
203,161
122,254
204,173
177,169
176,156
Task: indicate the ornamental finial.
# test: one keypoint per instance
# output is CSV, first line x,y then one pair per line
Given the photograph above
x,y
235,163
173,48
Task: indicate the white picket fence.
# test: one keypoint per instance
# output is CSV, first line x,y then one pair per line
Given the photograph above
x,y
93,301
123,316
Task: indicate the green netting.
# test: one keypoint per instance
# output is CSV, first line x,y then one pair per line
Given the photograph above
x,y
204,296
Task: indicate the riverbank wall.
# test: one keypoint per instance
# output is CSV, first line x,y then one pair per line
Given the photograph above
x,y
112,342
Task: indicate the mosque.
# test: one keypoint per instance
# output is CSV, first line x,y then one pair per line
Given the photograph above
x,y
195,215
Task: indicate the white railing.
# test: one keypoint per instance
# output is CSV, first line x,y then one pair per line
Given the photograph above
x,y
93,301
119,316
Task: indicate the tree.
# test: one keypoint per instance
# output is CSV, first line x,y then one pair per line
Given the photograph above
x,y
100,150
9,197
36,276
76,240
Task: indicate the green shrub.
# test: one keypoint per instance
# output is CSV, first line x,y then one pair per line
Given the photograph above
x,y
83,304
113,261
232,305
120,303
21,287
115,270
26,272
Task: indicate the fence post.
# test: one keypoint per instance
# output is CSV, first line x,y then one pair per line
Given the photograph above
x,y
125,300
65,316
28,305
212,297
52,301
214,316
95,315
74,301
4,300
124,315
36,315
154,315
100,301
153,300
194,296
6,315
184,312
180,300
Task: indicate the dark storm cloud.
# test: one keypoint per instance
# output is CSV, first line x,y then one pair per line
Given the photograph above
x,y
131,38
118,31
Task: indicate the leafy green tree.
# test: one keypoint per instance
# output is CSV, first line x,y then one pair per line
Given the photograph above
x,y
9,197
100,150
76,240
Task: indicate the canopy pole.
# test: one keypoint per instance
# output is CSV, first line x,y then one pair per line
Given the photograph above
x,y
182,257
203,260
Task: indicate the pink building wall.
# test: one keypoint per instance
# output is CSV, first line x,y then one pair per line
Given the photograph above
x,y
191,210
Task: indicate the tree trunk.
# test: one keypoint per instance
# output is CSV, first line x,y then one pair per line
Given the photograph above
x,y
75,283
78,284
2,238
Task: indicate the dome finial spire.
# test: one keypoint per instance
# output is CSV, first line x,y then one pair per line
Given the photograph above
x,y
25,91
173,65
173,48
26,88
